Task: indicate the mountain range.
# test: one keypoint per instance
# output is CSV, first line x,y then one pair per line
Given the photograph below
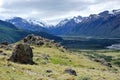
x,y
105,24
12,32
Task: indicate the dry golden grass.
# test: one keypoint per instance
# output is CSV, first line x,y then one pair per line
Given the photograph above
x,y
58,61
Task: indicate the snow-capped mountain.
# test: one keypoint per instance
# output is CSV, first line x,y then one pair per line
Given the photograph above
x,y
61,23
114,12
35,22
104,24
38,22
78,19
31,25
12,33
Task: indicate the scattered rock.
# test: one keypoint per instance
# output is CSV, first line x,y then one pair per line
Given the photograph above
x,y
40,79
4,54
6,47
49,71
71,72
107,64
25,40
39,43
5,43
1,51
22,54
1,46
46,56
32,47
44,63
102,61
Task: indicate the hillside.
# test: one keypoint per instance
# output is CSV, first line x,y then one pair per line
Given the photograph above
x,y
32,27
52,61
10,33
104,25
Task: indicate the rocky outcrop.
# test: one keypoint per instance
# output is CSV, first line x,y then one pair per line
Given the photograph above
x,y
40,41
32,39
22,54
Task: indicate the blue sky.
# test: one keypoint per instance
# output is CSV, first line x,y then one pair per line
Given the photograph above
x,y
52,11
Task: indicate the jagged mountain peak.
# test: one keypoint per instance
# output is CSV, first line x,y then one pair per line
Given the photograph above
x,y
116,11
63,22
104,24
78,19
112,12
104,13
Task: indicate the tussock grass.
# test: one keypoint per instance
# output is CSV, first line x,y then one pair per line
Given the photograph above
x,y
58,61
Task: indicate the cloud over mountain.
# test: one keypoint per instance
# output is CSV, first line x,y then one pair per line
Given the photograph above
x,y
53,11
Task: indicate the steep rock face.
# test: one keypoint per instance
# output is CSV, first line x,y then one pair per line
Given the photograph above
x,y
105,24
22,54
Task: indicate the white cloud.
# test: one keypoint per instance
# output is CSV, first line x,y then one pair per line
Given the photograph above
x,y
1,2
53,11
110,5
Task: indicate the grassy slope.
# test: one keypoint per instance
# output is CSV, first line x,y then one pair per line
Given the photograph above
x,y
9,32
86,69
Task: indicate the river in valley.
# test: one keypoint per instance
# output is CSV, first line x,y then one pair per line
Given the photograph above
x,y
114,46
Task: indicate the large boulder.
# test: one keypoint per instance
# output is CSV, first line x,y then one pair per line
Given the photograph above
x,y
22,54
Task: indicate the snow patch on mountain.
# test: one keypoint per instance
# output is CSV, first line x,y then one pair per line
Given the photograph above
x,y
35,22
114,12
77,20
63,22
